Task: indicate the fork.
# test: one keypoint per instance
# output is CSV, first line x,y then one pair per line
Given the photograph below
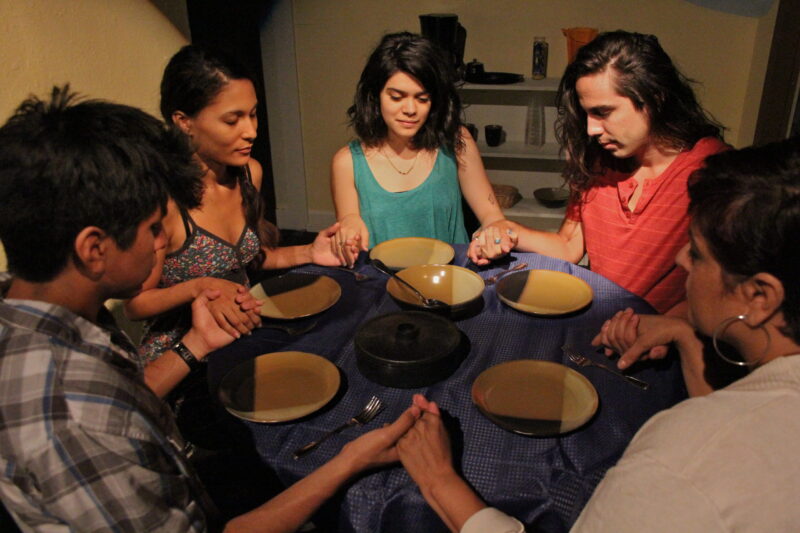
x,y
369,412
358,275
493,279
291,330
581,360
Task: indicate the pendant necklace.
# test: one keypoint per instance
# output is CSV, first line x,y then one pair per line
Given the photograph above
x,y
402,173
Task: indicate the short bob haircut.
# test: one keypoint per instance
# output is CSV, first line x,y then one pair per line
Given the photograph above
x,y
746,205
419,57
644,73
192,80
66,165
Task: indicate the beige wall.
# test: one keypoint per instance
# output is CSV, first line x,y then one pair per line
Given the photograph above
x,y
726,53
110,49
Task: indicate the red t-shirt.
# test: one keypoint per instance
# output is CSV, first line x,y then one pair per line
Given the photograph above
x,y
637,249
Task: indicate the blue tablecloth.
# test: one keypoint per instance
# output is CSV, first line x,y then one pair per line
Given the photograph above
x,y
542,481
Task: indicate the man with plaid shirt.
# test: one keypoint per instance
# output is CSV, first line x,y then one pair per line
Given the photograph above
x,y
86,444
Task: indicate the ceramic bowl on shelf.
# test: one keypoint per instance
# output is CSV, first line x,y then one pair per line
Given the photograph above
x,y
552,196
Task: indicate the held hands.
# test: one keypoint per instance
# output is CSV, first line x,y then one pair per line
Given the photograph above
x,y
379,446
492,242
637,337
234,308
206,334
352,237
325,249
425,449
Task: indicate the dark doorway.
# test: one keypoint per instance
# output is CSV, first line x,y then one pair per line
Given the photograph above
x,y
235,27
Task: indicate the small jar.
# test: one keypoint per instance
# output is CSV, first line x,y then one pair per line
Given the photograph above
x,y
539,69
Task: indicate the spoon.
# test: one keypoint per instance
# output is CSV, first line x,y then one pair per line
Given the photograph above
x,y
426,302
491,280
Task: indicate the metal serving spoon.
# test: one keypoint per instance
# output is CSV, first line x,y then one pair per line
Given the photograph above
x,y
431,303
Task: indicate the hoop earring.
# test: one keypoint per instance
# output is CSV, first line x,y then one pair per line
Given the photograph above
x,y
725,324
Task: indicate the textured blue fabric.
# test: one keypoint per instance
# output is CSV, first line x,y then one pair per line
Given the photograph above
x,y
432,209
541,481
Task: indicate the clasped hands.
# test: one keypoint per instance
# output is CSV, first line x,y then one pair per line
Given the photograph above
x,y
492,242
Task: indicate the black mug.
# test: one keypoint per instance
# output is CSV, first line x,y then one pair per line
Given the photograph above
x,y
494,134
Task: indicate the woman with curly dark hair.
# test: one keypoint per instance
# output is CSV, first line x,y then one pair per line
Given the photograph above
x,y
632,132
413,159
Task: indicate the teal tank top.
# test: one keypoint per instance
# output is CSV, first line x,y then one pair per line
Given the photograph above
x,y
432,209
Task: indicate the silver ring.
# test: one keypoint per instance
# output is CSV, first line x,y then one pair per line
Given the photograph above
x,y
497,240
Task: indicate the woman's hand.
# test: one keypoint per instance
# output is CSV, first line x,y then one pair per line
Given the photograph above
x,y
234,309
492,242
425,450
352,237
325,250
637,337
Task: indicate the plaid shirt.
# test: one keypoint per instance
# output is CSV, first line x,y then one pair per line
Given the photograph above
x,y
84,444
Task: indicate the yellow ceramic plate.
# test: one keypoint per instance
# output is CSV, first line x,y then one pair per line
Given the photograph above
x,y
453,285
296,295
531,397
279,386
544,292
409,251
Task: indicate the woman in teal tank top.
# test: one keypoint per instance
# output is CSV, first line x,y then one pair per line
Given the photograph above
x,y
405,174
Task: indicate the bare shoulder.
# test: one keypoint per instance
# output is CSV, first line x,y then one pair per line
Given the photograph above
x,y
173,226
342,160
256,172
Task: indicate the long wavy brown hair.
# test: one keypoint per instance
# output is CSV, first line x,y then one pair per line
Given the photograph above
x,y
645,74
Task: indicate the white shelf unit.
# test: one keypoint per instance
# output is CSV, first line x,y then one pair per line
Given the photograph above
x,y
514,162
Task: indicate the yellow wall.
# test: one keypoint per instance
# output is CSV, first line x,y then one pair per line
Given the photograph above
x,y
110,49
726,53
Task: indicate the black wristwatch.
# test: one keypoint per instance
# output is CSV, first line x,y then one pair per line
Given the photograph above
x,y
188,357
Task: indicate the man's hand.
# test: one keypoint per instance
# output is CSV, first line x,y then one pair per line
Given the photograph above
x,y
378,447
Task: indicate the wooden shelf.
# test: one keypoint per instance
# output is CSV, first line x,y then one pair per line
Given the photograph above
x,y
520,150
529,85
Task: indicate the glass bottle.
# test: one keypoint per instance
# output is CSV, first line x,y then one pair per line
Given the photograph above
x,y
539,70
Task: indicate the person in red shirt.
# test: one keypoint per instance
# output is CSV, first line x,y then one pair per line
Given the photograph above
x,y
633,132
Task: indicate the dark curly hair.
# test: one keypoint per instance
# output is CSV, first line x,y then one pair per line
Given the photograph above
x,y
192,79
746,205
645,74
424,60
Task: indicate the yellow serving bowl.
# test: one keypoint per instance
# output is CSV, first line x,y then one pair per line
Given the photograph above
x,y
456,286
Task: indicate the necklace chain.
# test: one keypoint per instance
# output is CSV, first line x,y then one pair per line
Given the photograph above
x,y
402,173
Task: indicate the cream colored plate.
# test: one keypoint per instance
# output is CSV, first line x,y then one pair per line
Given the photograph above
x,y
544,292
453,285
296,295
409,251
534,397
279,386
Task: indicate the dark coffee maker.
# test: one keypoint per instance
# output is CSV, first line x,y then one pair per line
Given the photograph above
x,y
444,30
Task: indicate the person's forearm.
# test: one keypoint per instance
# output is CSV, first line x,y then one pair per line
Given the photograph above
x,y
546,243
290,509
152,302
287,257
453,500
164,373
693,365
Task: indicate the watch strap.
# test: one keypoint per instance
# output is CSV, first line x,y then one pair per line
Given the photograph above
x,y
186,354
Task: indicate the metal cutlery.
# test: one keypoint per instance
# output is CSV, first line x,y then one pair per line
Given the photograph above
x,y
431,303
581,360
358,275
369,412
493,279
290,329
